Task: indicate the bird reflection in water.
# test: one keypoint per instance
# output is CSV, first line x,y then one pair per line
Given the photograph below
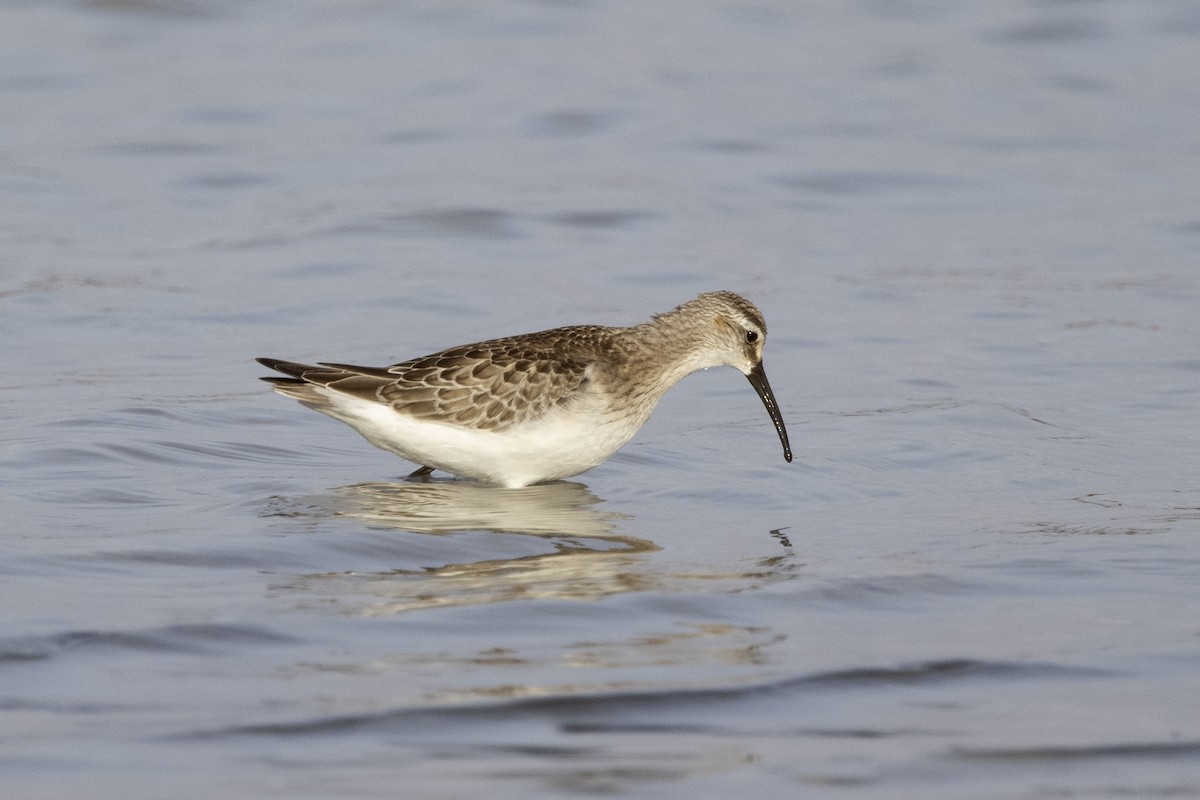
x,y
557,509
587,560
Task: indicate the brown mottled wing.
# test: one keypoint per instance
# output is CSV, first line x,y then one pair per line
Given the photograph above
x,y
491,385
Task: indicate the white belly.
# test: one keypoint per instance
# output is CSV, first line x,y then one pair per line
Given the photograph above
x,y
561,444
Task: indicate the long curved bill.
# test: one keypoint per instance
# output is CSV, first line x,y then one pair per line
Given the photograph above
x,y
758,379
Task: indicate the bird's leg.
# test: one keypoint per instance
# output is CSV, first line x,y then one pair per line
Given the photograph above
x,y
423,472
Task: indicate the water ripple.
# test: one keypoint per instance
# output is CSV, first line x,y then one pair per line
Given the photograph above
x,y
194,639
1161,749
622,706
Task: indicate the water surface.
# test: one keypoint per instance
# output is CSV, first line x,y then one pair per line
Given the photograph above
x,y
973,229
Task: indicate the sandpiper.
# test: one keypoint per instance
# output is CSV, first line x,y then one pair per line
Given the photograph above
x,y
541,406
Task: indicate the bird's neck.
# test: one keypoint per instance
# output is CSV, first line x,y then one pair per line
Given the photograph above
x,y
659,354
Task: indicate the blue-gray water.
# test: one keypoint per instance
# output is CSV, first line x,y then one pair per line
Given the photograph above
x,y
974,229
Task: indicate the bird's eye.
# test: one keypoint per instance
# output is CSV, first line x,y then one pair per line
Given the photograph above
x,y
751,337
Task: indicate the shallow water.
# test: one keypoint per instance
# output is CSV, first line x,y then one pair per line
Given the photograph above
x,y
973,229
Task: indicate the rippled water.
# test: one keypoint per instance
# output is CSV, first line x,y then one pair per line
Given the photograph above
x,y
973,229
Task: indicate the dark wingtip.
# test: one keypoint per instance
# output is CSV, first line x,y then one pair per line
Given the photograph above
x,y
294,371
289,368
